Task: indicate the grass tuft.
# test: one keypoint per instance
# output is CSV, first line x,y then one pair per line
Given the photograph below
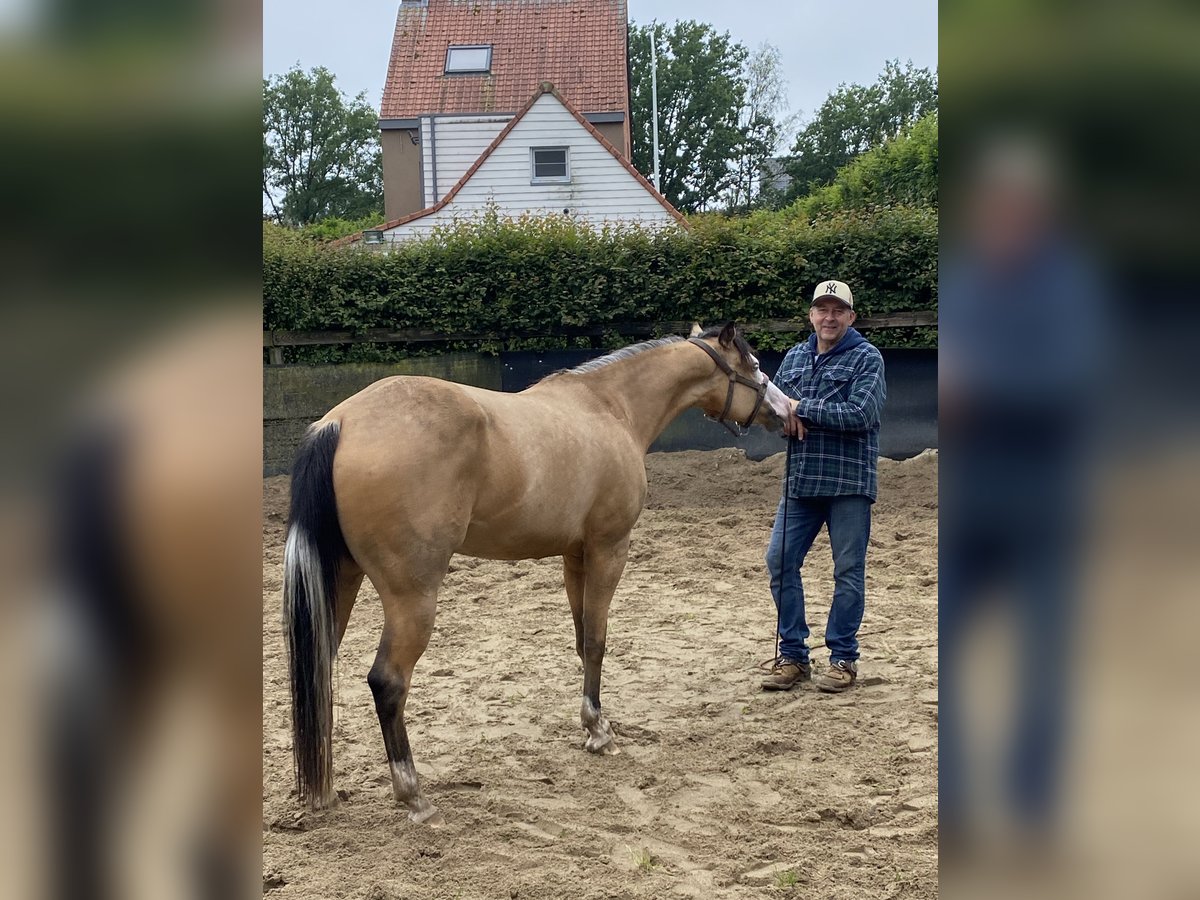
x,y
787,878
643,859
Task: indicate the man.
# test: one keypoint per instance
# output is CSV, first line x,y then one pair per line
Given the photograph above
x,y
836,385
1021,443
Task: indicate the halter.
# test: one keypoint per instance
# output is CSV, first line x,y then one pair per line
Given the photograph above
x,y
760,388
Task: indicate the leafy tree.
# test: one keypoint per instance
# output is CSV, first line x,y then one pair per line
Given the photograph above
x,y
763,121
701,94
899,172
856,118
321,153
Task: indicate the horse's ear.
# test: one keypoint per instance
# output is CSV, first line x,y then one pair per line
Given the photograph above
x,y
696,330
728,333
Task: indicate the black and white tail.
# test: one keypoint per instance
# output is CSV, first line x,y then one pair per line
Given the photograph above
x,y
315,548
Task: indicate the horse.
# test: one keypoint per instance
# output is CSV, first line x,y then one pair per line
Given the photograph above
x,y
145,634
395,480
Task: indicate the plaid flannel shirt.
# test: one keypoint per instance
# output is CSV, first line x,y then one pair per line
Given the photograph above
x,y
840,398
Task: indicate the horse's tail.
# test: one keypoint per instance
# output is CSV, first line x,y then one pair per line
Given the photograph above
x,y
314,550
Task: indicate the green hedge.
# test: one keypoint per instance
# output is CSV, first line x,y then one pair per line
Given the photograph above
x,y
514,278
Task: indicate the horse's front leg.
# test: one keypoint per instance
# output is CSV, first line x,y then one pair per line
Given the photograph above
x,y
573,576
603,566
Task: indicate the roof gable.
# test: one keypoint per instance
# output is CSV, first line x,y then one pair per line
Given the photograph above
x,y
542,91
579,45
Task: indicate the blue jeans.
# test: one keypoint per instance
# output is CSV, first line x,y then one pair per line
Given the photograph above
x,y
849,522
1022,554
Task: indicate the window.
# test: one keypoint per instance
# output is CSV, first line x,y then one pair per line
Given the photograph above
x,y
550,165
469,60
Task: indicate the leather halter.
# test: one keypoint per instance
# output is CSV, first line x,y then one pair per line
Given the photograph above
x,y
735,377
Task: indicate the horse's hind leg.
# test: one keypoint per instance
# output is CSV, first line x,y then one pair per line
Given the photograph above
x,y
408,624
350,578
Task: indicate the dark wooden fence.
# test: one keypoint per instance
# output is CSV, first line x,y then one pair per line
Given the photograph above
x,y
275,341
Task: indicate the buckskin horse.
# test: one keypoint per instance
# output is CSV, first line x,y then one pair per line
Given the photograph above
x,y
395,480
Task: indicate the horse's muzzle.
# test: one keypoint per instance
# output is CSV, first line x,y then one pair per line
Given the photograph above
x,y
775,409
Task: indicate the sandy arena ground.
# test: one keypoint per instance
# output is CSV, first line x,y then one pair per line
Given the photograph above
x,y
721,790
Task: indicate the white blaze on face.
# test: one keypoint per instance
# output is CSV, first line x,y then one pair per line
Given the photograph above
x,y
776,398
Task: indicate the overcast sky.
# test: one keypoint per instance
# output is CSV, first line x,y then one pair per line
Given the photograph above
x,y
823,44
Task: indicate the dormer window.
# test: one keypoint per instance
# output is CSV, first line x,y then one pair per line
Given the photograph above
x,y
474,59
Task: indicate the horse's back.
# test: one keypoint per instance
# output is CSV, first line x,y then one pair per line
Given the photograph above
x,y
401,401
492,474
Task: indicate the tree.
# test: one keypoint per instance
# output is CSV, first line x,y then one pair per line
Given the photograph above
x,y
701,94
899,172
321,153
763,122
856,118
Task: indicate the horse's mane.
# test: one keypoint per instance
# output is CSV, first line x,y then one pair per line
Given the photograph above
x,y
743,348
592,365
608,359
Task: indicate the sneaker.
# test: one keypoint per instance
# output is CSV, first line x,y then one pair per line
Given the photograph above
x,y
839,676
786,674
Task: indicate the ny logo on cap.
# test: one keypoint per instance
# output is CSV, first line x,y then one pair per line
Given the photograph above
x,y
831,288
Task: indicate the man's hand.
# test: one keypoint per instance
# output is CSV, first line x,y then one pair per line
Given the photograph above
x,y
793,427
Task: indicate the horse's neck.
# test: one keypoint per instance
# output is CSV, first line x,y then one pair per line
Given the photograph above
x,y
649,390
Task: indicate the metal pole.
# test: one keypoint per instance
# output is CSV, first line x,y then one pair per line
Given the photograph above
x,y
654,96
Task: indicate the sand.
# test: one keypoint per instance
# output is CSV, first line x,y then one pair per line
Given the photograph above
x,y
721,790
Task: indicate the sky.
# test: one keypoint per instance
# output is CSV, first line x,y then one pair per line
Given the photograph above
x,y
822,44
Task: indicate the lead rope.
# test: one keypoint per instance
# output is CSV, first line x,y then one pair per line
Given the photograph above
x,y
787,477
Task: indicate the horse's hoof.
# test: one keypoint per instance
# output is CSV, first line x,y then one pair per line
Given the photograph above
x,y
603,745
428,816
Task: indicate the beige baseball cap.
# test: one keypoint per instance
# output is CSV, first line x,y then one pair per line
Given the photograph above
x,y
835,289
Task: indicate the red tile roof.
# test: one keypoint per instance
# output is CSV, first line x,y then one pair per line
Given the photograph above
x,y
579,45
544,88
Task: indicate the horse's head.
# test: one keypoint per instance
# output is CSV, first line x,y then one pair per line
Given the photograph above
x,y
740,391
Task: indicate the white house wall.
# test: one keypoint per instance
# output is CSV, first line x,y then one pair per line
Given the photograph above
x,y
459,141
601,189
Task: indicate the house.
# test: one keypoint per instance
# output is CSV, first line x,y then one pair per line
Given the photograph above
x,y
468,118
547,160
774,176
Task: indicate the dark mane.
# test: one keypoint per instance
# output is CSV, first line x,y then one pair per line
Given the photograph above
x,y
608,359
743,348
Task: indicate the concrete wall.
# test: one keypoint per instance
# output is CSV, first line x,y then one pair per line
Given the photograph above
x,y
295,396
908,426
